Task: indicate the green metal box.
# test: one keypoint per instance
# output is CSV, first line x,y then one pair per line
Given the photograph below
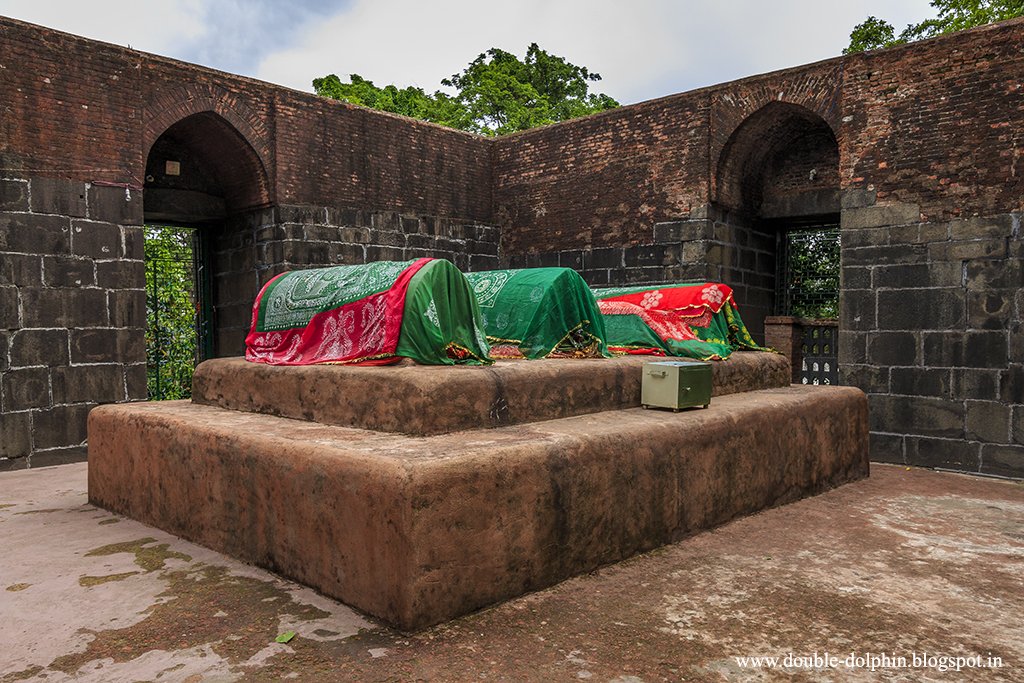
x,y
676,384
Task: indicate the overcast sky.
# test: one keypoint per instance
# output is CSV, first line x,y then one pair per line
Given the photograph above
x,y
642,48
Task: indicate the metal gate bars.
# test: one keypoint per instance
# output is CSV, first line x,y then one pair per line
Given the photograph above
x,y
177,336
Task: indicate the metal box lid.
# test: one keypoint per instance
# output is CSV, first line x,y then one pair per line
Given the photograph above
x,y
680,363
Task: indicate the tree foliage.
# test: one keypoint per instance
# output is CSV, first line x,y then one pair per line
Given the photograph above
x,y
953,15
496,94
811,273
871,34
410,101
171,339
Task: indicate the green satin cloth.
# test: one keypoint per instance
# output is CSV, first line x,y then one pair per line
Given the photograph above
x,y
540,311
441,324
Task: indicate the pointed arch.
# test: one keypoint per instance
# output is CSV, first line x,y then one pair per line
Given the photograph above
x,y
783,159
219,129
203,168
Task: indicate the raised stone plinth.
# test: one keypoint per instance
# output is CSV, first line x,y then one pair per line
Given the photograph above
x,y
426,400
419,529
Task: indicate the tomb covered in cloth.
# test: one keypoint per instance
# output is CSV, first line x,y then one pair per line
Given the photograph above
x,y
698,321
539,313
370,314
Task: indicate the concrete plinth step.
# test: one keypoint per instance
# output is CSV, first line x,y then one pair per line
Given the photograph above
x,y
436,400
416,530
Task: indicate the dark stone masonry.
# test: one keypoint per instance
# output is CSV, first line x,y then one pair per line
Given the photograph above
x,y
916,152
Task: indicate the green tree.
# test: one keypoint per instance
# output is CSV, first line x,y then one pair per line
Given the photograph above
x,y
410,101
811,269
953,15
171,339
496,94
872,34
502,94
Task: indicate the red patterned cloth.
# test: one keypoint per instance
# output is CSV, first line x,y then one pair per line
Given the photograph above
x,y
666,324
690,320
364,331
696,303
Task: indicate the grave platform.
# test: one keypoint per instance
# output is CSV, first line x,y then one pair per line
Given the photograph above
x,y
423,400
416,529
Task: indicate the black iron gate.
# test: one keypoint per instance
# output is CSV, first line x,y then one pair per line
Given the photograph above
x,y
819,363
807,287
807,283
177,304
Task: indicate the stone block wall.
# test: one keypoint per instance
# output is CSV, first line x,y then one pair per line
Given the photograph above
x,y
72,313
710,246
73,302
931,329
252,248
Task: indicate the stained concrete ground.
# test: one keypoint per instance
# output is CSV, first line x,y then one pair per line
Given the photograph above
x,y
908,561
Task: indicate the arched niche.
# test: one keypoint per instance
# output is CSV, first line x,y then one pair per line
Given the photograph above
x,y
781,162
201,169
204,181
776,188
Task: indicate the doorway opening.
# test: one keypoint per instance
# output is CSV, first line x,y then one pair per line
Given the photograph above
x,y
807,287
777,181
178,309
202,179
778,176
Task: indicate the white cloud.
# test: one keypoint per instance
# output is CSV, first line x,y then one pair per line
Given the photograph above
x,y
643,48
231,35
149,26
418,43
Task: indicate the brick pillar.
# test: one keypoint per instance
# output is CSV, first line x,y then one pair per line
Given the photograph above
x,y
785,334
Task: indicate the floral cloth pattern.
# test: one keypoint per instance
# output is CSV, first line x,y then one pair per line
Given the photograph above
x,y
696,302
713,295
651,300
698,320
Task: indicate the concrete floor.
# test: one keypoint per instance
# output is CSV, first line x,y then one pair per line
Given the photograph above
x,y
909,561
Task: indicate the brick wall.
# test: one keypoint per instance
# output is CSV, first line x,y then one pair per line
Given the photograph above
x,y
679,188
802,171
86,110
938,124
605,180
